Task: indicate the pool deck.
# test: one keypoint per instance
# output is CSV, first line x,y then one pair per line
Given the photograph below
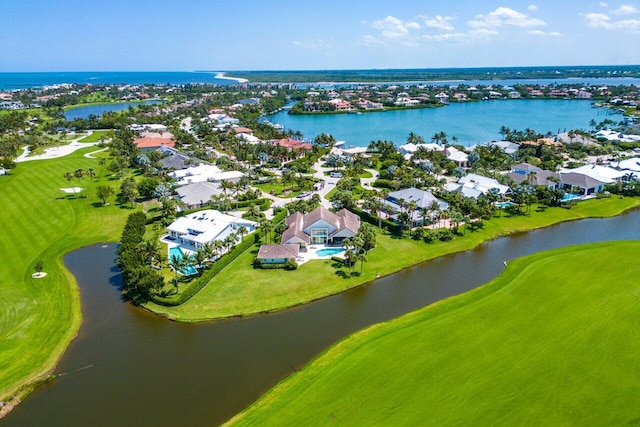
x,y
311,254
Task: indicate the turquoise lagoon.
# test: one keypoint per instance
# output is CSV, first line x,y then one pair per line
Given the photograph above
x,y
471,122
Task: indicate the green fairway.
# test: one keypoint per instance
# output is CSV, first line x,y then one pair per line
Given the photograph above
x,y
554,340
240,290
97,135
38,317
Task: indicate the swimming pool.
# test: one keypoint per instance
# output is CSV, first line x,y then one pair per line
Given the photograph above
x,y
329,251
187,270
568,197
503,205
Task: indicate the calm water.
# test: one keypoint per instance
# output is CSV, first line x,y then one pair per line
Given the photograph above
x,y
129,367
99,109
472,122
10,81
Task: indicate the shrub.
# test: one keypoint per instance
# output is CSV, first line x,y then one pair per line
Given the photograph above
x,y
428,237
445,235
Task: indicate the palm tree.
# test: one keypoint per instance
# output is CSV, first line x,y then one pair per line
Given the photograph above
x,y
177,263
69,177
266,227
226,185
242,231
200,257
209,249
79,175
434,209
362,257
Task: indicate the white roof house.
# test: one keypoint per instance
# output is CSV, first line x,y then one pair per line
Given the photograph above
x,y
473,185
601,173
411,148
202,173
194,230
632,165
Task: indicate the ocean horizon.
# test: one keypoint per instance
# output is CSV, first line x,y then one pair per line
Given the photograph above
x,y
28,80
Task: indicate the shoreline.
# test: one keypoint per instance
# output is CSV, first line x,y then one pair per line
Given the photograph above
x,y
165,312
49,375
223,76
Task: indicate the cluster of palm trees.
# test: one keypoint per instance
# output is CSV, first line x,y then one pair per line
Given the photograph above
x,y
79,174
358,246
202,257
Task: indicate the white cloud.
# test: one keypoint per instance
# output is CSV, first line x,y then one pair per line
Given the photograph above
x,y
439,22
312,44
545,33
603,4
371,41
625,9
600,20
394,28
504,16
532,7
481,34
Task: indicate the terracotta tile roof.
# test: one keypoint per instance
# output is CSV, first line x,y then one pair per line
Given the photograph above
x,y
348,220
154,142
278,251
293,144
241,130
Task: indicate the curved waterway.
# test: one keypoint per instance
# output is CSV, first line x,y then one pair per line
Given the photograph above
x,y
130,367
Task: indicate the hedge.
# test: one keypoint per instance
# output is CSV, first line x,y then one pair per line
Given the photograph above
x,y
374,220
383,183
199,283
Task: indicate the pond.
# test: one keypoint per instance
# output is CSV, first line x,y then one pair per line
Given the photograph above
x,y
99,109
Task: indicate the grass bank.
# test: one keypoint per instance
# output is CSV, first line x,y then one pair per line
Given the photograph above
x,y
542,344
240,290
39,317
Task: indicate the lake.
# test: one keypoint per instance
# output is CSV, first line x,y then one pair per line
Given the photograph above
x,y
130,367
99,109
471,122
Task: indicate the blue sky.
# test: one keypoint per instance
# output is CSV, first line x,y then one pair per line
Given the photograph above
x,y
89,35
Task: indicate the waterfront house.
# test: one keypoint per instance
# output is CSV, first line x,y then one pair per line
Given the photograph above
x,y
192,231
399,201
601,173
320,226
580,183
278,254
292,144
474,186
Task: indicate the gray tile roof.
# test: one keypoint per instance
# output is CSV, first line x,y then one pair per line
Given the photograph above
x,y
579,180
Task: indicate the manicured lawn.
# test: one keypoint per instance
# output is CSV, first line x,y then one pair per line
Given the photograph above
x,y
280,189
542,344
241,290
96,135
38,317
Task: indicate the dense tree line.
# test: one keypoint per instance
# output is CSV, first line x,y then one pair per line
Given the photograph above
x,y
134,260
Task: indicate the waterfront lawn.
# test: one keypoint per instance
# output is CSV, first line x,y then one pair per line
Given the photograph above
x,y
542,344
241,290
39,317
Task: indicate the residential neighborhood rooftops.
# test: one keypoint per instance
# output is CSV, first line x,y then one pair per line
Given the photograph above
x,y
152,143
